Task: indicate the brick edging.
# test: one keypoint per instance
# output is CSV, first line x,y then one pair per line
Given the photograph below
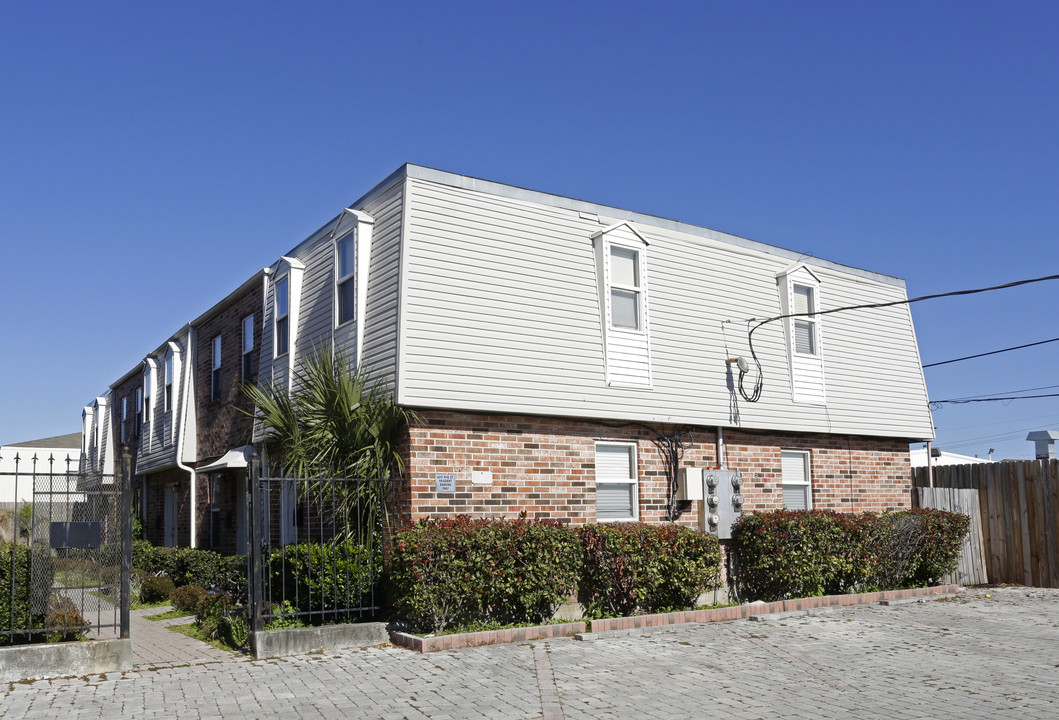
x,y
737,612
487,637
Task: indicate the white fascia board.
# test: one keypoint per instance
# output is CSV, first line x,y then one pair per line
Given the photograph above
x,y
795,268
615,226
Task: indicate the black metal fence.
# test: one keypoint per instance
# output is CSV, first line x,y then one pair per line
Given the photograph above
x,y
65,552
315,551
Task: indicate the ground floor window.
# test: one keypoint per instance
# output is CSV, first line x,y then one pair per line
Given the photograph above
x,y
797,480
616,483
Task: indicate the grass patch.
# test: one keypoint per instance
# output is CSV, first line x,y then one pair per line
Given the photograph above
x,y
192,631
170,615
487,626
715,606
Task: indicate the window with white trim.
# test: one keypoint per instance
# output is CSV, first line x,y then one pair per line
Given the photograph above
x,y
799,290
617,489
797,480
805,335
168,397
248,347
139,409
625,289
124,418
281,302
345,287
215,371
148,378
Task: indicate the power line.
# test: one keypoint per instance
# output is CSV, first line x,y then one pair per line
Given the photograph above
x,y
1007,392
992,399
992,352
759,382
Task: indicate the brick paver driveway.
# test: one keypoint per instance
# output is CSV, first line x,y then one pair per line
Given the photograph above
x,y
971,656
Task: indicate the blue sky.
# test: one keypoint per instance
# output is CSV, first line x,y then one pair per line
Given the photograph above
x,y
153,156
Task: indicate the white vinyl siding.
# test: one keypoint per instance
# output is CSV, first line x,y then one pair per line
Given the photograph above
x,y
616,481
797,480
501,313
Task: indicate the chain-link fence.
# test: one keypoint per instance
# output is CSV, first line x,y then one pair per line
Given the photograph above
x,y
65,554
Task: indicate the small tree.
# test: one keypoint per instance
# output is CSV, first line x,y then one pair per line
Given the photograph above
x,y
333,424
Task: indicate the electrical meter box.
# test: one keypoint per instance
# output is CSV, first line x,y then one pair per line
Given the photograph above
x,y
689,486
723,490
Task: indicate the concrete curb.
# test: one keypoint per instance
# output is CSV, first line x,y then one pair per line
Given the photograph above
x,y
738,612
51,660
297,641
488,637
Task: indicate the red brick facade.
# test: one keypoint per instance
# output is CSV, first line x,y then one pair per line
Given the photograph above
x,y
545,467
221,423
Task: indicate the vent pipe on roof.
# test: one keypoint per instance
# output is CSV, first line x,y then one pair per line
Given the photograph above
x,y
1045,443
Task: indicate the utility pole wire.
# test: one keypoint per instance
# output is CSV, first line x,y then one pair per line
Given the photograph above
x,y
993,352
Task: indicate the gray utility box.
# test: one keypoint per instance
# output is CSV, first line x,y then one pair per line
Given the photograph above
x,y
723,491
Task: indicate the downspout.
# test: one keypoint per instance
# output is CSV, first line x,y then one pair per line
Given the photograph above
x,y
720,448
187,390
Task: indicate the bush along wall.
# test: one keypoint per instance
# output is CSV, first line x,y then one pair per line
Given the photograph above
x,y
464,573
786,554
191,566
329,577
459,572
27,607
630,568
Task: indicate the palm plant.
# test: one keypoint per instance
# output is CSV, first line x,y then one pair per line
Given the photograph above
x,y
334,425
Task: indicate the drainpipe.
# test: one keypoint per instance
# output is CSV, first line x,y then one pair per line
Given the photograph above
x,y
720,447
930,467
188,390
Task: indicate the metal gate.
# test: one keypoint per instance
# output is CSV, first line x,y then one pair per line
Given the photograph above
x,y
66,552
315,548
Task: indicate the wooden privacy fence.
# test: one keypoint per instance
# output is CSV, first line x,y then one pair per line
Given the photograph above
x,y
1019,509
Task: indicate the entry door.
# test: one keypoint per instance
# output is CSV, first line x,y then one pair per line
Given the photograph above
x,y
170,529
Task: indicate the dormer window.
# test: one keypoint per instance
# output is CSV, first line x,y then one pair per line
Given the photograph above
x,y
621,274
282,315
799,290
625,288
805,327
345,286
168,398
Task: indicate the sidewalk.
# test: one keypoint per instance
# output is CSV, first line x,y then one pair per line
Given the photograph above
x,y
154,645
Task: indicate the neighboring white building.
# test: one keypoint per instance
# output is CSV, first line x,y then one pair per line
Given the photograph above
x,y
58,454
919,458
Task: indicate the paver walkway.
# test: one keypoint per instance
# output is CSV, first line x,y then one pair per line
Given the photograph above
x,y
155,645
988,653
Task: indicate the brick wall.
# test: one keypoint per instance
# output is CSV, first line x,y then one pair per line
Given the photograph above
x,y
154,499
545,467
221,424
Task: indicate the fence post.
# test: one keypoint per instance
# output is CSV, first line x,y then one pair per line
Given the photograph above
x,y
125,508
254,575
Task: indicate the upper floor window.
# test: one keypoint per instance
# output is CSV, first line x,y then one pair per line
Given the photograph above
x,y
805,335
282,314
345,291
148,380
625,289
139,408
124,418
248,347
215,372
799,290
168,397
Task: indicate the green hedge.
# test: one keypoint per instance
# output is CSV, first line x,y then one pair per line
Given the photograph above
x,y
191,566
314,576
460,572
27,597
787,554
630,568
